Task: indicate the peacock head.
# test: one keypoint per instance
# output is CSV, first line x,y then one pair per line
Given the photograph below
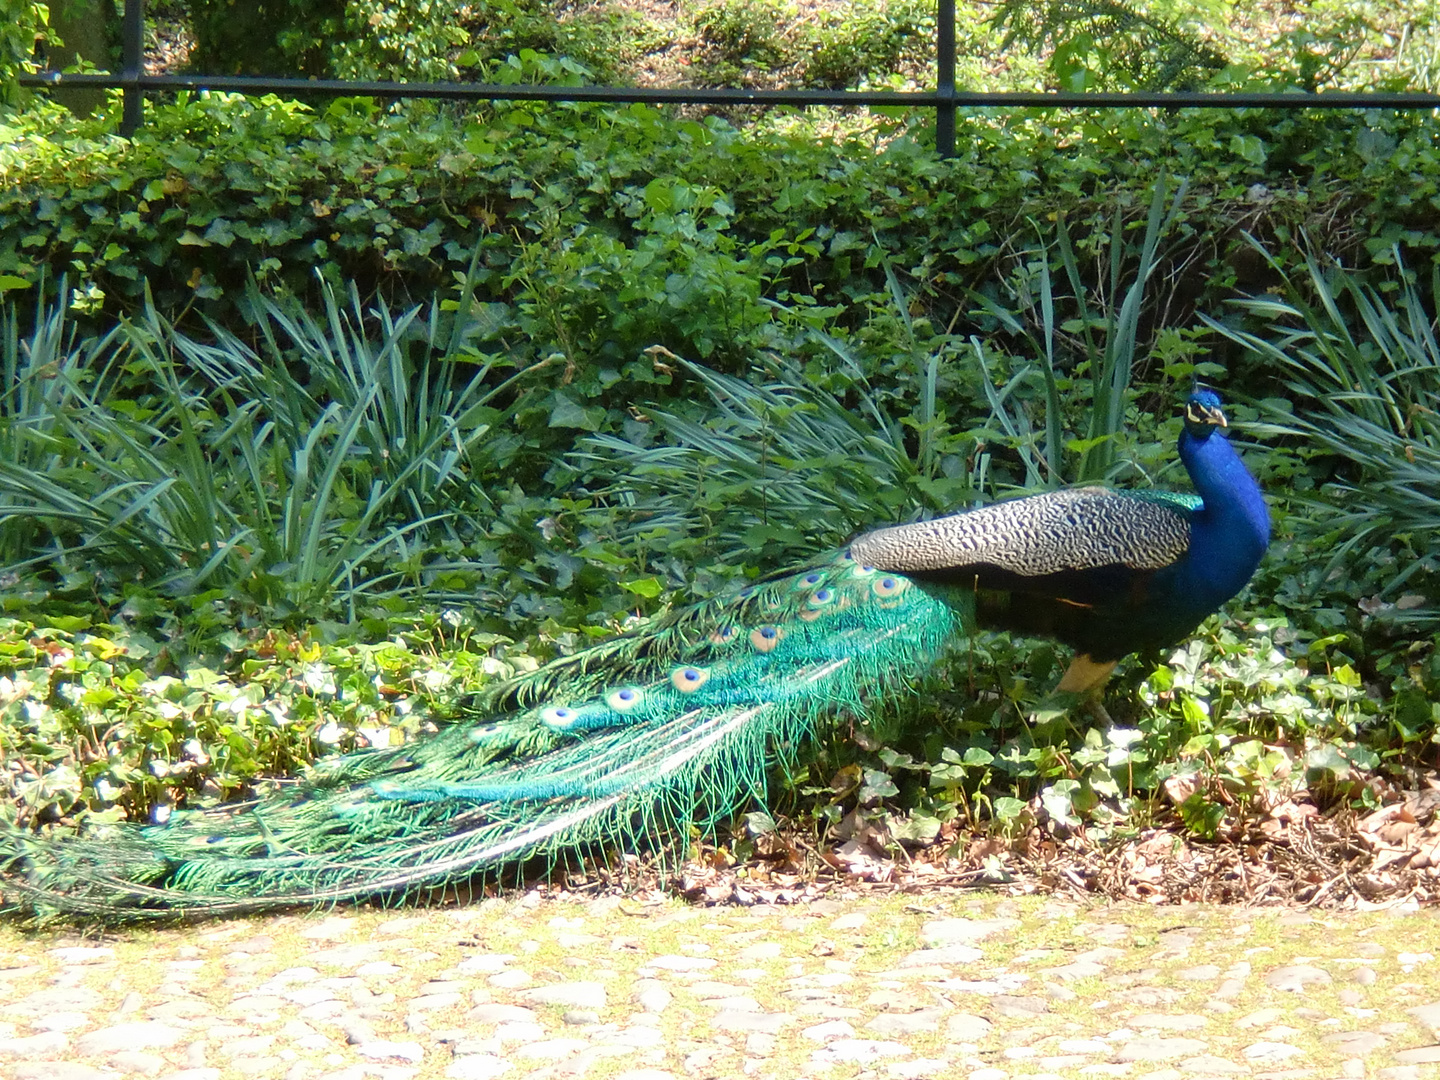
x,y
1203,414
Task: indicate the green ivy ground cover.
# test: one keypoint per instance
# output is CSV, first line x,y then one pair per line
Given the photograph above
x,y
96,715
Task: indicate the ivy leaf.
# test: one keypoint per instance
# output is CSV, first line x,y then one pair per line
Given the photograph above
x,y
1249,147
877,786
1008,808
648,587
220,233
565,413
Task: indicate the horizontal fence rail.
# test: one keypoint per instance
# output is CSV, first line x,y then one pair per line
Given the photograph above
x,y
945,99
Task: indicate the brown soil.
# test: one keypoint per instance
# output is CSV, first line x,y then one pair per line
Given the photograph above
x,y
1287,854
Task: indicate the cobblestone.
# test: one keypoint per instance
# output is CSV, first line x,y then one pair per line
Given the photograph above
x,y
941,987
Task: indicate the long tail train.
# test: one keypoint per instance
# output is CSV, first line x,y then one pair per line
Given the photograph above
x,y
627,741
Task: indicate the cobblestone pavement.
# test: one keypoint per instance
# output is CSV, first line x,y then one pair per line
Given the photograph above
x,y
941,985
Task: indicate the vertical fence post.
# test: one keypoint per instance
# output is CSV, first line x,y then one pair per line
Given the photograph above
x,y
132,41
945,77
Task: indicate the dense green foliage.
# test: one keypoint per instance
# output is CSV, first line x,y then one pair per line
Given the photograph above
x,y
563,366
220,482
1375,377
138,693
610,208
341,39
1103,44
22,23
100,723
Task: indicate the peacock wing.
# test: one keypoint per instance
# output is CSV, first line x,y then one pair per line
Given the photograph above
x,y
1079,529
1079,565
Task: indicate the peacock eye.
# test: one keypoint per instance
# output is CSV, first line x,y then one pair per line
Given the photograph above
x,y
723,636
818,602
625,699
860,571
888,586
688,679
558,716
812,579
765,638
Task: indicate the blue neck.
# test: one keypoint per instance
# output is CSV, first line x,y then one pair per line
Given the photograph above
x,y
1229,535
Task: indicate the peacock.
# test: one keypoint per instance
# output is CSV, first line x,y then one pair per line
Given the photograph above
x,y
674,725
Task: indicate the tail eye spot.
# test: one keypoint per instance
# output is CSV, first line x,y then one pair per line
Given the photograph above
x,y
889,586
558,716
821,597
765,638
689,679
625,699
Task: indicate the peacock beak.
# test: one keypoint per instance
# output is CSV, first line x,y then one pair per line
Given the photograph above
x,y
1197,413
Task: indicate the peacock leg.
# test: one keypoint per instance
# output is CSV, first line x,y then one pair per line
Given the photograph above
x,y
1095,706
1086,679
1086,676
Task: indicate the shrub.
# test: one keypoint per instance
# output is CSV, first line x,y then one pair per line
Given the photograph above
x,y
1108,45
22,23
1362,369
226,471
868,40
354,39
216,188
742,32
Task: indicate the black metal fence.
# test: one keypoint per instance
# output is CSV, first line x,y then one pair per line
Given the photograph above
x,y
944,99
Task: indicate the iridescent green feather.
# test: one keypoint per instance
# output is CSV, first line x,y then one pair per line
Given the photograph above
x,y
621,744
1176,500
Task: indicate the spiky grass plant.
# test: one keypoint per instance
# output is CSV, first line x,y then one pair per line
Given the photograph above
x,y
1364,367
780,467
1106,340
290,467
801,460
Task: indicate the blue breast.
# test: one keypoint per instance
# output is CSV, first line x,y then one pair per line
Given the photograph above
x,y
1228,534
